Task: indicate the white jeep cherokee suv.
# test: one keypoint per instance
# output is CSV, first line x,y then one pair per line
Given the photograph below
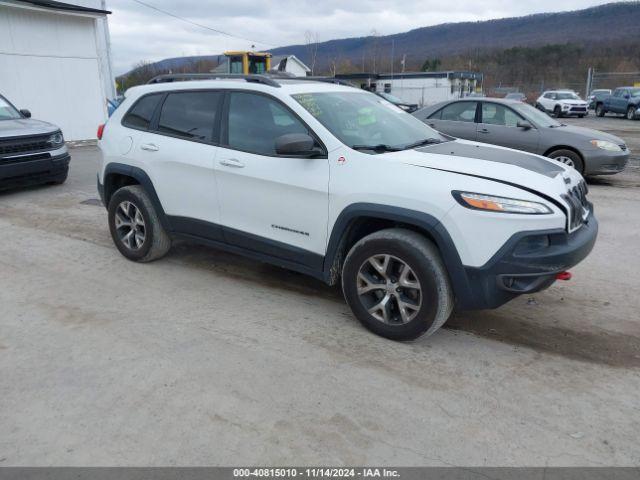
x,y
339,184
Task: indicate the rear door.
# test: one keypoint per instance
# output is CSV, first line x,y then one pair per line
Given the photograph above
x,y
456,119
179,154
499,126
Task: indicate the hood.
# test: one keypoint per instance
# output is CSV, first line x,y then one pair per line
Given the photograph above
x,y
587,134
525,170
25,127
573,102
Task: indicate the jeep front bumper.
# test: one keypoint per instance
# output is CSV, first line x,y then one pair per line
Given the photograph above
x,y
527,263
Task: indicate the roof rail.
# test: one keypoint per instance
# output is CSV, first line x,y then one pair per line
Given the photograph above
x,y
185,77
337,81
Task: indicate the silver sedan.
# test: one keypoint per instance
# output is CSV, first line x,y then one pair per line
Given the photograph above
x,y
518,125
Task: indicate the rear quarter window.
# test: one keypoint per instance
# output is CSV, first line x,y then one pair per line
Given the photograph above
x,y
141,114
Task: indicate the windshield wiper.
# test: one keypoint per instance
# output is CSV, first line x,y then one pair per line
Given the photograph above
x,y
421,143
376,148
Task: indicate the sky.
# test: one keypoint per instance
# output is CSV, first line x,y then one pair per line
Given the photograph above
x,y
141,33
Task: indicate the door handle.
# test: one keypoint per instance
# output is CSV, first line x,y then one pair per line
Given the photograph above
x,y
232,162
432,125
150,147
484,130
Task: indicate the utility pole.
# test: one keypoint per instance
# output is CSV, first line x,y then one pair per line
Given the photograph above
x,y
393,46
589,82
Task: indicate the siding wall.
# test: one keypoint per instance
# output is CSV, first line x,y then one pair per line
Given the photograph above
x,y
49,63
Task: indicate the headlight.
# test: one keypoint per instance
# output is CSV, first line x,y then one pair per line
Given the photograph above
x,y
56,139
605,145
490,203
566,107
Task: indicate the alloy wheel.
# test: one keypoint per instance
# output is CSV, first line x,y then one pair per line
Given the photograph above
x,y
566,160
130,225
389,289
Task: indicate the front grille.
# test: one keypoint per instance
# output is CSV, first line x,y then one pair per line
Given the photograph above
x,y
579,206
25,145
578,109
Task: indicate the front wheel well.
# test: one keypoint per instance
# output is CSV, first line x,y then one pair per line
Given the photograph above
x,y
359,228
563,147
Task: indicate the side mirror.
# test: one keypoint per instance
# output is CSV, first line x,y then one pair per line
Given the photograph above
x,y
25,113
296,145
627,96
524,124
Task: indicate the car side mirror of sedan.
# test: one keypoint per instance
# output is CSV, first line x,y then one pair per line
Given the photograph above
x,y
297,145
25,113
524,125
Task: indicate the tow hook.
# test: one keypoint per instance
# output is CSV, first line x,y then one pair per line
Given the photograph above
x,y
564,276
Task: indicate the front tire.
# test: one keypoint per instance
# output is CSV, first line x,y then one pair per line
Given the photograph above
x,y
135,226
397,285
600,111
568,157
557,112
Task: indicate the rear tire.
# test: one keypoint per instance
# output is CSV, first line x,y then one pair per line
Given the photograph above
x,y
135,226
600,111
397,285
568,157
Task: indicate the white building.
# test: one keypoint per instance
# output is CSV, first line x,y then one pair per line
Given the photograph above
x,y
55,61
290,64
421,88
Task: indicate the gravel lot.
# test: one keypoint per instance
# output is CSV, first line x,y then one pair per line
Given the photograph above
x,y
205,358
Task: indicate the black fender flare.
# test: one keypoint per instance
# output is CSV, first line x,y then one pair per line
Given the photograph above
x,y
143,179
423,221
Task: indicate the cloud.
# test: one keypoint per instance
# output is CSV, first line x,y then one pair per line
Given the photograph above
x,y
140,33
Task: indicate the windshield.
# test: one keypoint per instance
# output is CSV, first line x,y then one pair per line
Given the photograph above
x,y
635,92
7,111
361,119
535,115
567,96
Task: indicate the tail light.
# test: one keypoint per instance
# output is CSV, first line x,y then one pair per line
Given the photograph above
x,y
100,131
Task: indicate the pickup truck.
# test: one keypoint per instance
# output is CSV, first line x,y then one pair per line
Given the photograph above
x,y
625,101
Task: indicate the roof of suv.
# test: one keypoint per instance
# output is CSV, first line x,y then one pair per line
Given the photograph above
x,y
283,85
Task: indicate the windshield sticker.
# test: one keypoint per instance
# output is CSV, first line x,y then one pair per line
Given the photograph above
x,y
310,103
366,117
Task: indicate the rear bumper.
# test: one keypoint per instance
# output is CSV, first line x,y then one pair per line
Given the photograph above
x,y
36,169
518,269
603,162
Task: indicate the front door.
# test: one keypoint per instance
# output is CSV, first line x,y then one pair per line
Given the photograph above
x,y
456,119
269,203
499,126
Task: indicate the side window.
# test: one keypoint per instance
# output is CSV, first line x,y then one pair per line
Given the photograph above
x,y
459,112
190,115
141,113
496,114
548,95
617,93
255,121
